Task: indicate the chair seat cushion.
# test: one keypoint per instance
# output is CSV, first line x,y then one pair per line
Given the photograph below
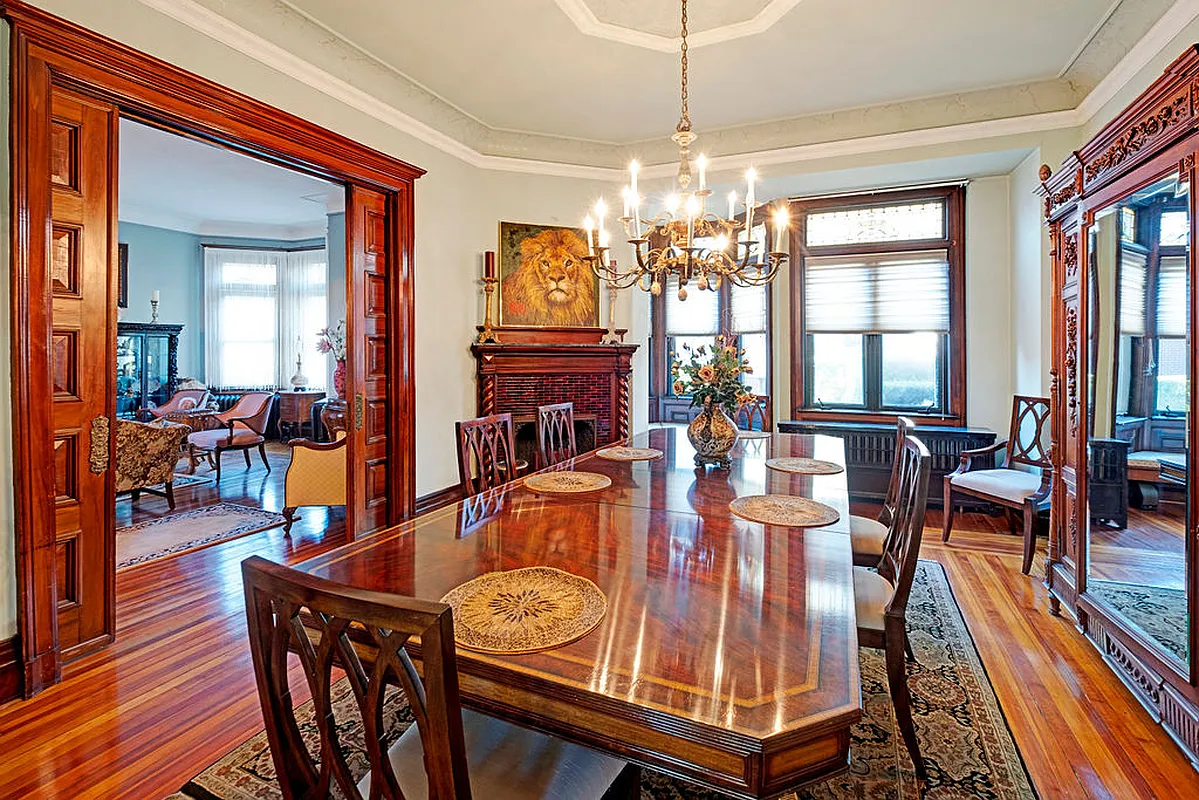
x,y
1008,484
866,535
1152,459
208,440
871,593
507,762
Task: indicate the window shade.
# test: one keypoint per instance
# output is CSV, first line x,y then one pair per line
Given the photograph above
x,y
747,306
698,315
878,293
1132,292
1172,296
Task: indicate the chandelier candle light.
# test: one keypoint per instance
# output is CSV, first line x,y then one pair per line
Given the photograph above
x,y
667,245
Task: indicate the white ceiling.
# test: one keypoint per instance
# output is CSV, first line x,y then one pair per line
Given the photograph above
x,y
174,182
527,65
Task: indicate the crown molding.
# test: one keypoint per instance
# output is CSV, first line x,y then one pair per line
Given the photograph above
x,y
154,217
588,24
250,44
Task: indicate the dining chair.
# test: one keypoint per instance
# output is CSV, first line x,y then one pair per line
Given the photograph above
x,y
243,427
447,754
755,416
867,534
555,434
881,597
486,453
1009,486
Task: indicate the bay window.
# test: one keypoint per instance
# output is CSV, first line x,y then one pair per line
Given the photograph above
x,y
877,305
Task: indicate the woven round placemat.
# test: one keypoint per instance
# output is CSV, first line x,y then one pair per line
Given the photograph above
x,y
753,434
567,482
629,453
804,466
524,610
784,509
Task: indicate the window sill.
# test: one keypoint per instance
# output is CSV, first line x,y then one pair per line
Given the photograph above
x,y
851,415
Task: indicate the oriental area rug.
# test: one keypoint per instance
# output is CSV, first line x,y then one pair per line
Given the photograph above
x,y
189,530
964,738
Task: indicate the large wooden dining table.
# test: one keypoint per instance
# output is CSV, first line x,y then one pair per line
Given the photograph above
x,y
728,655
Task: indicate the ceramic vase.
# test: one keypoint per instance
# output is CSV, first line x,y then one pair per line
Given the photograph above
x,y
713,435
339,378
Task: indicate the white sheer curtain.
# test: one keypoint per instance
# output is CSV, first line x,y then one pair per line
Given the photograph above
x,y
303,312
260,306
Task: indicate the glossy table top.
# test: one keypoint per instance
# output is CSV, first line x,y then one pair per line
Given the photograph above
x,y
719,631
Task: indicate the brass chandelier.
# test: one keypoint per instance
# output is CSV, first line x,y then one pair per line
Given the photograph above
x,y
668,245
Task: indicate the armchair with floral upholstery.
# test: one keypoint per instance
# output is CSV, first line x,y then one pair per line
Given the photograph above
x,y
147,453
316,475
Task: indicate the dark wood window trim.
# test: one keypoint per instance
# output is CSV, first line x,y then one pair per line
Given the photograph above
x,y
954,414
659,362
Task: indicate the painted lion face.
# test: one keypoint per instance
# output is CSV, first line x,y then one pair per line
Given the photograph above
x,y
552,285
555,260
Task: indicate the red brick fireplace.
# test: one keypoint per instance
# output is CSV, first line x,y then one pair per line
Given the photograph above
x,y
516,377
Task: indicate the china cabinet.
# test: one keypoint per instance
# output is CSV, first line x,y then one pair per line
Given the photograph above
x,y
147,365
1122,549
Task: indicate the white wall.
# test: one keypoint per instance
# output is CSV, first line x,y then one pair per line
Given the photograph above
x,y
988,302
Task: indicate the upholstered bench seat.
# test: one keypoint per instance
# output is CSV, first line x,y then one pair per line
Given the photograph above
x,y
1010,484
866,536
1152,459
507,762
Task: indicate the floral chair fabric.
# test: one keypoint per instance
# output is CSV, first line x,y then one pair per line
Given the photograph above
x,y
147,453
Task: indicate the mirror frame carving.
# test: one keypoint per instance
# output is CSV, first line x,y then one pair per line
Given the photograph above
x,y
1156,135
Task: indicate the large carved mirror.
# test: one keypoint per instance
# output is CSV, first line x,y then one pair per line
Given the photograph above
x,y
1138,397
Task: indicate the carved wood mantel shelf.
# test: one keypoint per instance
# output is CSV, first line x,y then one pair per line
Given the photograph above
x,y
516,378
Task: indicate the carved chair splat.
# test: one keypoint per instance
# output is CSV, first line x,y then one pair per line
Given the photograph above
x,y
555,434
755,416
486,453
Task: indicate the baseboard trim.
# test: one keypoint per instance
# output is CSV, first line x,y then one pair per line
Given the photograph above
x,y
439,499
10,670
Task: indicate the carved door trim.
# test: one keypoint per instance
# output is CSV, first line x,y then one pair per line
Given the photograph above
x,y
48,50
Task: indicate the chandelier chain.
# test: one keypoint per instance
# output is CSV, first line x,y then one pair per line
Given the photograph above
x,y
685,120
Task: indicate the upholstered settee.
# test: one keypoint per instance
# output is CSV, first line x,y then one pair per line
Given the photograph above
x,y
147,453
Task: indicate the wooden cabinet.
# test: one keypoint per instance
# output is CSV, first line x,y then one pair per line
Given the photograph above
x,y
295,412
147,365
1122,556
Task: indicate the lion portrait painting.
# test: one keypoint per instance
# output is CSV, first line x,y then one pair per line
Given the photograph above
x,y
545,280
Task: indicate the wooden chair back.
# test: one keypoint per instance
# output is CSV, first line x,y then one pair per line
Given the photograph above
x,y
755,416
1028,440
253,410
555,434
903,429
486,453
280,603
335,417
901,549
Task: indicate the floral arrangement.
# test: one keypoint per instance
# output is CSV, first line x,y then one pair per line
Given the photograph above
x,y
332,340
714,378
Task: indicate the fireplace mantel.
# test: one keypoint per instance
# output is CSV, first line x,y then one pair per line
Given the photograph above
x,y
516,378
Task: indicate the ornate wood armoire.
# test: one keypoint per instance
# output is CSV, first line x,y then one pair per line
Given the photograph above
x,y
1121,215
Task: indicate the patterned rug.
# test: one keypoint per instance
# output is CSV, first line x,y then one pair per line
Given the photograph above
x,y
189,530
1161,613
963,735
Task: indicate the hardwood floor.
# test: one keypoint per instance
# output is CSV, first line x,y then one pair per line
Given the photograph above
x,y
176,691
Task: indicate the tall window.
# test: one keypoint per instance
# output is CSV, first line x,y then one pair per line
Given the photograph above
x,y
877,314
694,322
261,308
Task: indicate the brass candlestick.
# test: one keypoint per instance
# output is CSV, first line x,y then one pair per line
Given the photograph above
x,y
487,335
154,311
611,337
